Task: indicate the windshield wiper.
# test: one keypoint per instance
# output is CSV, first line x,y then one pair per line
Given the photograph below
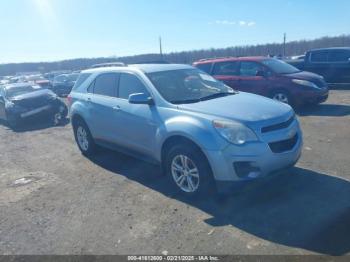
x,y
217,95
186,101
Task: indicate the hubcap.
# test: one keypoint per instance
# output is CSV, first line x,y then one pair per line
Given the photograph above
x,y
281,97
185,173
82,138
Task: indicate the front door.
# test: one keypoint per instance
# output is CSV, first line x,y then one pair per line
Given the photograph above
x,y
249,80
138,122
227,73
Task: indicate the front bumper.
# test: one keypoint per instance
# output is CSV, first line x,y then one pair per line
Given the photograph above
x,y
311,97
259,156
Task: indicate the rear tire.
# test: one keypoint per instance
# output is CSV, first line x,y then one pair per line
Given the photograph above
x,y
189,171
83,138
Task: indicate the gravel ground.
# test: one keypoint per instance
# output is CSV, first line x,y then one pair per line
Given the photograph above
x,y
55,201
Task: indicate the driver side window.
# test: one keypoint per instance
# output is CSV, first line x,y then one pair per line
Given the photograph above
x,y
249,68
130,84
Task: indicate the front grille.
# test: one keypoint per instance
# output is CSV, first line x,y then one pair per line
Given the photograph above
x,y
278,126
284,145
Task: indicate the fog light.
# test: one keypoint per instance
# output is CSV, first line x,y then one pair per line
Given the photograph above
x,y
246,169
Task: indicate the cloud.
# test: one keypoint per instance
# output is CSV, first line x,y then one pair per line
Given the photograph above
x,y
252,23
223,22
227,22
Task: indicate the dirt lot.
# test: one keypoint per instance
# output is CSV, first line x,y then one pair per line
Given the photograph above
x,y
55,201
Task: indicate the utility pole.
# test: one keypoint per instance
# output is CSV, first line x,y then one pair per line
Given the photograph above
x,y
160,48
284,44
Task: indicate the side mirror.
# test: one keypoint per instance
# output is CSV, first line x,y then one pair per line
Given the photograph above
x,y
140,99
261,73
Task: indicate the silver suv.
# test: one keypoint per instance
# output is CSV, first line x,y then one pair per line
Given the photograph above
x,y
199,130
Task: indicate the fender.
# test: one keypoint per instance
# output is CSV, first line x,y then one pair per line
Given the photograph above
x,y
199,132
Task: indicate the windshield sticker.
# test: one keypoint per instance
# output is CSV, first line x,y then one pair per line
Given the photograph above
x,y
207,78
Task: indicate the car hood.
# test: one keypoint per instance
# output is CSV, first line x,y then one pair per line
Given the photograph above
x,y
303,75
34,99
253,110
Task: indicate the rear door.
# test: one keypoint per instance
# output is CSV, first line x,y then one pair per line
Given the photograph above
x,y
249,81
339,66
318,63
102,103
227,72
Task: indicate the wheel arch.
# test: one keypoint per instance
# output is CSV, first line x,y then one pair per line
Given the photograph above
x,y
177,139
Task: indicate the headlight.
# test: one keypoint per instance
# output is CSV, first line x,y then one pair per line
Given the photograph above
x,y
234,132
9,104
305,83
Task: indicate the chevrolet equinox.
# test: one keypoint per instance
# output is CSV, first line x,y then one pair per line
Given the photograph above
x,y
199,130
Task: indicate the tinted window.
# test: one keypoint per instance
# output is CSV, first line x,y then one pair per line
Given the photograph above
x,y
226,68
205,67
106,84
250,68
339,56
319,57
130,84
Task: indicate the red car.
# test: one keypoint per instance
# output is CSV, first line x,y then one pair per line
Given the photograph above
x,y
268,77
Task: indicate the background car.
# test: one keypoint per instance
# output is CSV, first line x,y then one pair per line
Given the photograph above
x,y
268,77
23,101
63,84
332,63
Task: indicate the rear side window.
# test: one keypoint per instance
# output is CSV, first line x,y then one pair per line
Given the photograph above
x,y
106,84
81,79
339,56
250,68
130,84
319,57
205,67
226,68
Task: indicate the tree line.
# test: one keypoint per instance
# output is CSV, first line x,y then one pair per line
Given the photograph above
x,y
186,57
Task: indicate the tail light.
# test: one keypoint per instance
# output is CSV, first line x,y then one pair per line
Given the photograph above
x,y
69,100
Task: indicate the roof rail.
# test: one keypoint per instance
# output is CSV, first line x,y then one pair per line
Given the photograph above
x,y
222,57
108,65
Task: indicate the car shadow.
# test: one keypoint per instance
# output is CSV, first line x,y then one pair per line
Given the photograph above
x,y
300,208
35,124
325,110
339,86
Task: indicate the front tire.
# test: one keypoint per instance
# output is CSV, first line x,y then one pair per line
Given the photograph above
x,y
189,171
282,96
83,138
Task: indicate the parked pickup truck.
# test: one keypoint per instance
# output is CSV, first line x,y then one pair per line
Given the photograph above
x,y
331,63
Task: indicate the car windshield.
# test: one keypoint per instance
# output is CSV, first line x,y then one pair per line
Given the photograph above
x,y
19,90
188,86
280,67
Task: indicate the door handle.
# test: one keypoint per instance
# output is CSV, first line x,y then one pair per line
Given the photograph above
x,y
88,99
116,108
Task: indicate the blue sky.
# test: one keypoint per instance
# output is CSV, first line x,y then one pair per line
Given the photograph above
x,y
48,30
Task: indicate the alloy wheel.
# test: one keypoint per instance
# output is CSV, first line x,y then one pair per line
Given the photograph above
x,y
82,138
185,173
281,97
